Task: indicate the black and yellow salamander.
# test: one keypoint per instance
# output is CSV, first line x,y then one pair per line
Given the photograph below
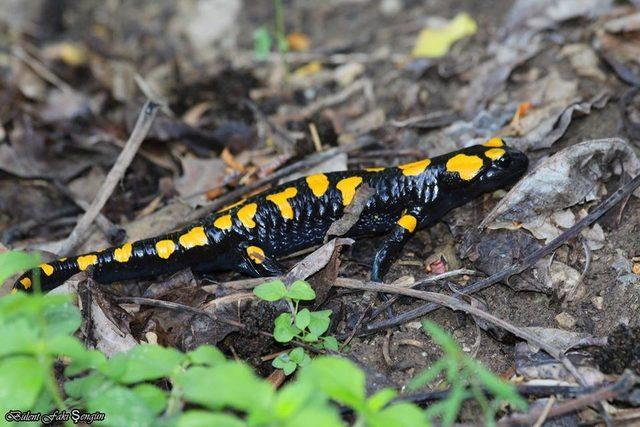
x,y
251,235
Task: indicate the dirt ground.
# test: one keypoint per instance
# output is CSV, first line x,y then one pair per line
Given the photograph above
x,y
67,145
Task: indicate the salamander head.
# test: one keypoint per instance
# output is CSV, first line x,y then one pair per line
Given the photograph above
x,y
483,168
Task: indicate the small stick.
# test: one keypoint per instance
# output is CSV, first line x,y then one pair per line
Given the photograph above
x,y
40,69
454,304
110,230
545,412
527,262
145,119
428,280
624,384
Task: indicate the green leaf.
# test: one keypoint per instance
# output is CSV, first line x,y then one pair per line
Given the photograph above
x,y
115,367
297,354
301,290
310,337
14,262
305,360
428,375
65,345
88,386
147,362
206,355
303,318
90,359
339,378
320,321
60,319
444,340
283,330
122,407
293,397
231,384
330,343
380,399
271,291
18,337
21,380
453,403
501,389
287,365
207,419
398,415
261,43
154,397
315,415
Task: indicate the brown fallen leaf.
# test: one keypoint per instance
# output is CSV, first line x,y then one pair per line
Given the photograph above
x,y
199,175
561,181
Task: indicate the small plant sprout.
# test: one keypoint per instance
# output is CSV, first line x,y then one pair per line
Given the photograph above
x,y
302,324
467,379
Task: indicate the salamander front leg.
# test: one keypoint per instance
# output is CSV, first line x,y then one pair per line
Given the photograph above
x,y
391,247
254,262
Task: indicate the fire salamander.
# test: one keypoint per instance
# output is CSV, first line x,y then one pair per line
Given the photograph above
x,y
251,235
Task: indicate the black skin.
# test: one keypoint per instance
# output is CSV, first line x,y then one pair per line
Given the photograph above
x,y
427,197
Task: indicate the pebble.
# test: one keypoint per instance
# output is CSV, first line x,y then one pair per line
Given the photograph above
x,y
598,302
390,7
565,320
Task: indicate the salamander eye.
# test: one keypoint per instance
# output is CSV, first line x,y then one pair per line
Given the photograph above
x,y
503,162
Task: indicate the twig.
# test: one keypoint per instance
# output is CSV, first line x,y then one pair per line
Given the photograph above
x,y
623,385
39,68
528,261
426,281
361,85
310,161
454,304
112,232
356,327
145,119
545,412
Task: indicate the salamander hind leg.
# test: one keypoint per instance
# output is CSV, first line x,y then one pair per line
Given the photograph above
x,y
256,263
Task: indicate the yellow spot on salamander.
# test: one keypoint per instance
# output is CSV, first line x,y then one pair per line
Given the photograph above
x,y
494,142
246,214
14,291
408,222
415,168
374,169
25,282
164,248
494,153
195,237
223,222
318,183
86,260
124,253
256,254
466,166
47,268
281,200
348,187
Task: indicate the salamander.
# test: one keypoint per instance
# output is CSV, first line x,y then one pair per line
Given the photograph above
x,y
251,235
